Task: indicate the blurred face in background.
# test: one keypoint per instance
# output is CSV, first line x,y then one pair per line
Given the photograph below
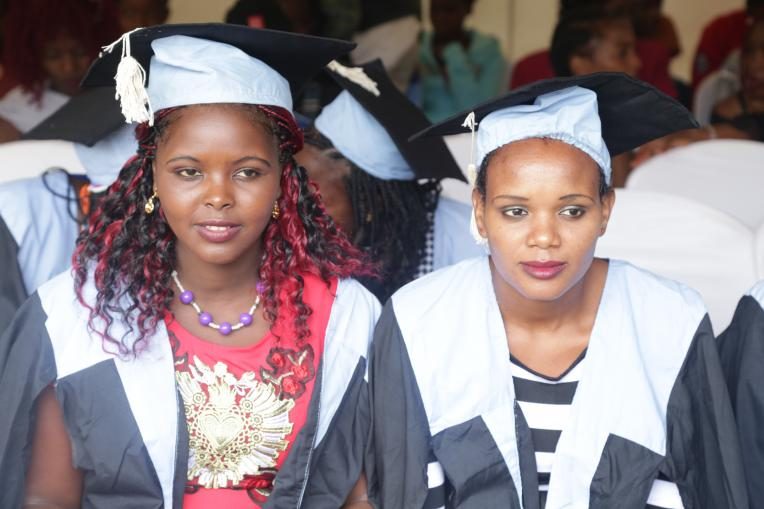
x,y
613,50
65,62
141,13
447,17
752,63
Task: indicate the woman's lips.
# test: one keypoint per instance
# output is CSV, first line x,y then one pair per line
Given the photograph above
x,y
217,231
543,270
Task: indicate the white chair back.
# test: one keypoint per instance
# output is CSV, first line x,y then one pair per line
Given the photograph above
x,y
715,87
685,241
459,145
725,174
29,158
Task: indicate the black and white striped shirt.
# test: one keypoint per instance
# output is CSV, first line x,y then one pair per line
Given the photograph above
x,y
545,403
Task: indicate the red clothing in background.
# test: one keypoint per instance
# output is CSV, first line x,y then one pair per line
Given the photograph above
x,y
655,67
720,38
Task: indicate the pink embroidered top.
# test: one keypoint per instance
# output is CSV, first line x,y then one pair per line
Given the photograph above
x,y
245,406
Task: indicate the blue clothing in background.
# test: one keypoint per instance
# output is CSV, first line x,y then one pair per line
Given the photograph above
x,y
471,76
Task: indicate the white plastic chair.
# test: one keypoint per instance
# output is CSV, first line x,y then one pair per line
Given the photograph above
x,y
459,145
725,174
685,241
29,158
715,87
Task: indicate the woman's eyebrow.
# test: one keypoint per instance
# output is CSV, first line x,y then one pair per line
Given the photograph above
x,y
569,197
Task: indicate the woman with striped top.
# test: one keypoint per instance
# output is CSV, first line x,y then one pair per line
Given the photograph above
x,y
539,376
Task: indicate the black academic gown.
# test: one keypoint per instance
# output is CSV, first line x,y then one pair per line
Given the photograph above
x,y
125,417
652,401
741,348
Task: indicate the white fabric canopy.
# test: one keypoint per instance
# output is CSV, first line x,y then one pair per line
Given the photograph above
x,y
685,241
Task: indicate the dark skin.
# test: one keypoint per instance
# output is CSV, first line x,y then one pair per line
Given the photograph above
x,y
447,18
216,163
613,51
141,13
65,62
213,162
542,203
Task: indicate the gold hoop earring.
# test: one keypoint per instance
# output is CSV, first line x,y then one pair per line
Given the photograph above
x,y
149,207
276,212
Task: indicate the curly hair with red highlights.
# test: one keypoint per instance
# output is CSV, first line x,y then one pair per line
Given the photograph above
x,y
29,25
136,288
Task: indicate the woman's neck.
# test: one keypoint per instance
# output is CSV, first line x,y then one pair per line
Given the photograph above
x,y
572,307
217,281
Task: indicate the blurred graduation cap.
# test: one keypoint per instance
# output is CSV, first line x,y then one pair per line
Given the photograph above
x,y
630,111
209,63
86,118
93,121
370,122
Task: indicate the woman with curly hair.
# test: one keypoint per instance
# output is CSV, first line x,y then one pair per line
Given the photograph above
x,y
381,189
208,347
47,48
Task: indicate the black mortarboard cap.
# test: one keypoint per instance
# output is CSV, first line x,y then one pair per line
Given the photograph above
x,y
429,158
296,57
632,112
86,118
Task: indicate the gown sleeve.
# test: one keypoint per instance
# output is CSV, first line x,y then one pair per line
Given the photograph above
x,y
27,366
12,290
398,452
703,451
741,348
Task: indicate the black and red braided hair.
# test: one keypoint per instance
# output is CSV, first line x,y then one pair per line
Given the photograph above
x,y
130,255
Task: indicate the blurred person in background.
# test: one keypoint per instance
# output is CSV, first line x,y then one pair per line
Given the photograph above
x,y
381,189
740,116
596,22
296,16
40,217
389,31
458,67
47,49
721,38
142,13
596,39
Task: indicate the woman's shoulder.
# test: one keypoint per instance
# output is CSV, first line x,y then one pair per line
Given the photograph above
x,y
441,292
351,294
654,291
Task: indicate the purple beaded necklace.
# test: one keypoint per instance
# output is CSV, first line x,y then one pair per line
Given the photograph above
x,y
225,328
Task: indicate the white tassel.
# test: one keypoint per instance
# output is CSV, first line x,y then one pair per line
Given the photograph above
x,y
472,177
356,75
130,82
